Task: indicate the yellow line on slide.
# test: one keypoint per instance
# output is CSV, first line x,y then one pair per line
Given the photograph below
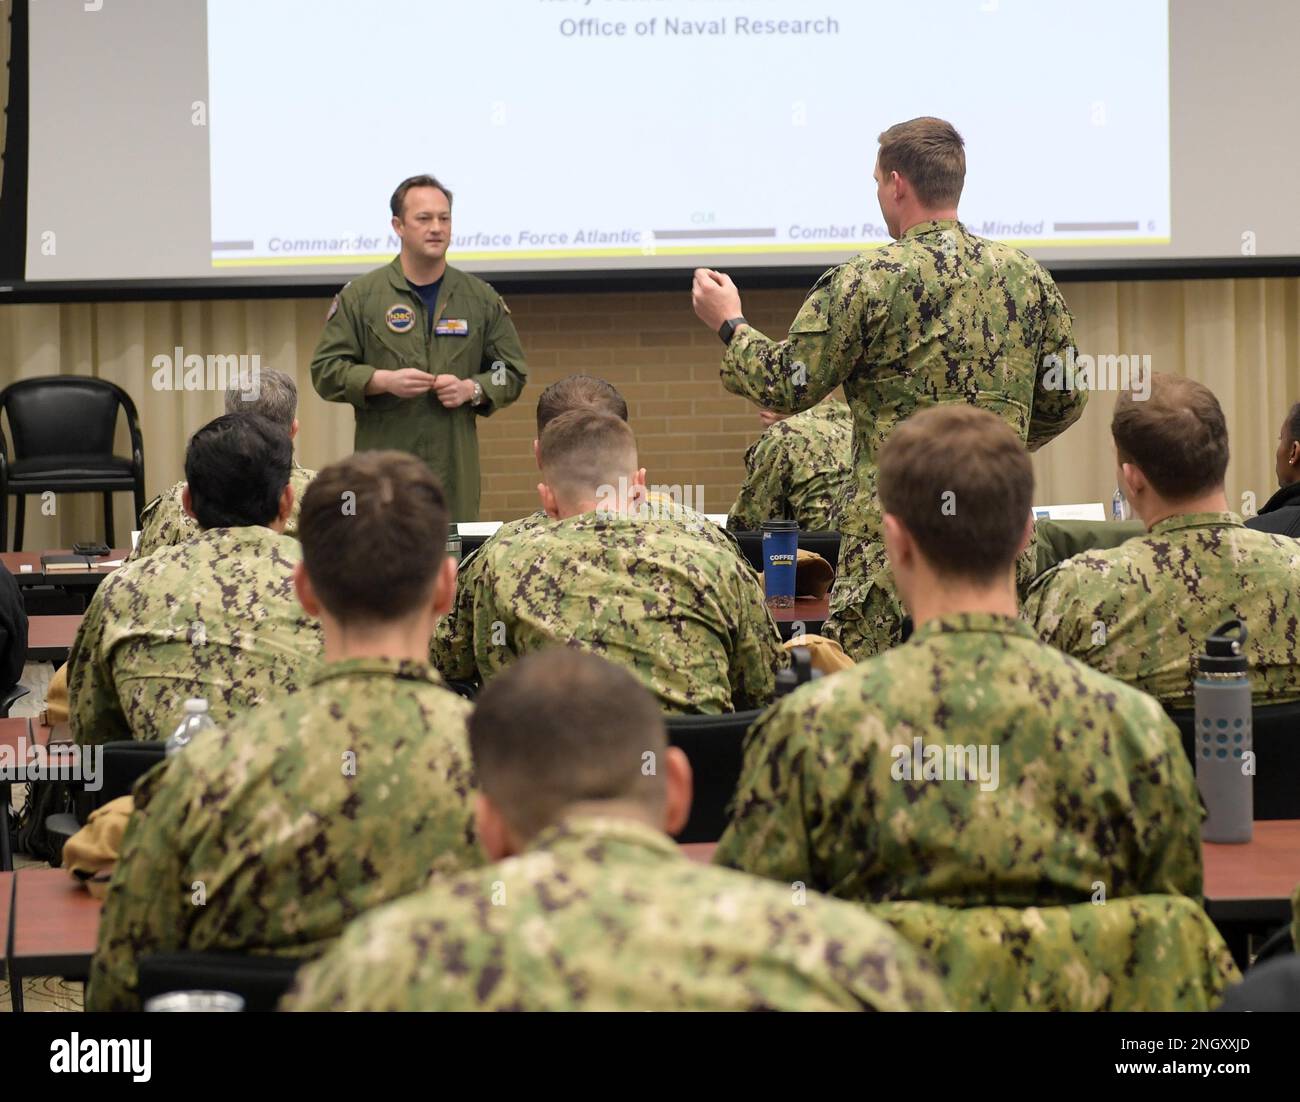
x,y
665,250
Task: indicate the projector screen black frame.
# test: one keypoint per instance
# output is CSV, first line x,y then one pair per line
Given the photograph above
x,y
15,289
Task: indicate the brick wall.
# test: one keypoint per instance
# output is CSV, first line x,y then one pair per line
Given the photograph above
x,y
664,362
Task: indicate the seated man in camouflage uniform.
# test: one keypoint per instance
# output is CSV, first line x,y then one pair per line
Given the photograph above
x,y
452,650
214,617
275,831
798,469
165,522
974,765
1140,611
591,906
614,576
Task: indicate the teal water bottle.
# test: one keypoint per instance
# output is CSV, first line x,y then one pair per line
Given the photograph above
x,y
1225,771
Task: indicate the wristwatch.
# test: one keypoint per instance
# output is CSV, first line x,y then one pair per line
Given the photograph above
x,y
477,398
728,328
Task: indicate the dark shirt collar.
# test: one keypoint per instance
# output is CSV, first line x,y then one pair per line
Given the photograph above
x,y
1287,495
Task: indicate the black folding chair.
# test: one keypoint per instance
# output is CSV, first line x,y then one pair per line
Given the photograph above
x,y
714,747
63,428
825,544
124,763
1276,735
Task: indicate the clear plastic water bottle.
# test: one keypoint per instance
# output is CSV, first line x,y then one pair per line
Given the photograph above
x,y
196,720
1118,506
1224,742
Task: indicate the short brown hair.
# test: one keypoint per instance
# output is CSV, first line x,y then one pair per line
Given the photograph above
x,y
961,483
930,155
373,528
561,727
1177,436
583,450
398,200
578,392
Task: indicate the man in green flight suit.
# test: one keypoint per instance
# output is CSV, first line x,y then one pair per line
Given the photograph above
x,y
421,350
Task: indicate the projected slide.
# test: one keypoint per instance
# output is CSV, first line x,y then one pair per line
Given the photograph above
x,y
581,132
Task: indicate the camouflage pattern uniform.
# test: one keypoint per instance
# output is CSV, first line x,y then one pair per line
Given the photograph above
x,y
214,617
451,649
1093,786
798,469
165,522
1143,952
292,821
1140,611
938,316
606,914
647,593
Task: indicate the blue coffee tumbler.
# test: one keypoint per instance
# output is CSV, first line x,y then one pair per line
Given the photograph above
x,y
780,553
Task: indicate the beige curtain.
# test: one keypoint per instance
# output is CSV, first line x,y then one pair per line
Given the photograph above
x,y
1240,337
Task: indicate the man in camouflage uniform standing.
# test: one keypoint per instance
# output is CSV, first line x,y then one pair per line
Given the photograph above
x,y
938,316
421,350
614,575
452,648
798,469
165,522
1141,611
974,765
591,905
274,832
213,617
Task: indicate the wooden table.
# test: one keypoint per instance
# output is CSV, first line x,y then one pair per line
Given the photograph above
x,y
54,925
16,560
810,611
49,638
1254,882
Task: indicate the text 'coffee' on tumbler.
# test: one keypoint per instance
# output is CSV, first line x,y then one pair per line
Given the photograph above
x,y
780,555
1225,760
